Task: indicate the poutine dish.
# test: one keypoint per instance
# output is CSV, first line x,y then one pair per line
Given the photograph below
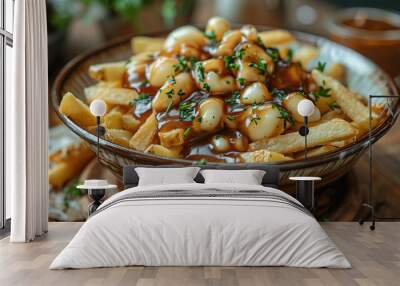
x,y
223,95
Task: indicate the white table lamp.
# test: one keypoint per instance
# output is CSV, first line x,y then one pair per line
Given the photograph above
x,y
305,108
98,108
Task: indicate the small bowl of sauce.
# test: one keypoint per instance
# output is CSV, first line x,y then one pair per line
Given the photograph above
x,y
373,32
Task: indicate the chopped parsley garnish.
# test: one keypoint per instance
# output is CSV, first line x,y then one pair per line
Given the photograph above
x,y
181,93
242,81
289,56
322,92
320,66
211,35
228,82
231,117
260,42
333,105
187,110
206,86
182,65
234,100
200,72
143,98
284,114
172,80
187,131
240,53
170,93
279,94
261,65
230,63
273,53
199,119
255,119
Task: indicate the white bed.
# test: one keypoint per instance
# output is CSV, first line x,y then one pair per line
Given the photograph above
x,y
203,225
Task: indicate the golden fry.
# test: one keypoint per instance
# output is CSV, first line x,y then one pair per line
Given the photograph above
x,y
172,152
130,123
262,156
111,95
346,99
112,72
76,110
333,130
276,37
172,138
146,44
119,136
145,134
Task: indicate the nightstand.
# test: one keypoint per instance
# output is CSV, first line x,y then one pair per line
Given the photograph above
x,y
96,191
305,190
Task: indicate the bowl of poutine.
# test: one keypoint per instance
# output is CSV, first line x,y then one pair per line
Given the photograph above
x,y
227,95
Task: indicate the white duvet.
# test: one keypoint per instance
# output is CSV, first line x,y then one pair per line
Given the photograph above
x,y
188,231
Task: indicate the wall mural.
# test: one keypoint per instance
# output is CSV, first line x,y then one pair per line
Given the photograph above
x,y
223,93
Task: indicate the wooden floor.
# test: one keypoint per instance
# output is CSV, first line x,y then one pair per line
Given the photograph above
x,y
375,257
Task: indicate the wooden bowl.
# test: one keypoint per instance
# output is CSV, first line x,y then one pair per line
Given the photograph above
x,y
363,76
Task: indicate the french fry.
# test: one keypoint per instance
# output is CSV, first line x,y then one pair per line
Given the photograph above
x,y
317,151
130,123
76,110
322,134
172,138
346,99
68,163
118,136
112,72
172,152
111,95
276,37
113,120
305,55
337,71
262,156
337,113
145,134
146,44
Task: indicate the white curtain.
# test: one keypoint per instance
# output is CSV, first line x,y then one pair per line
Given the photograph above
x,y
27,123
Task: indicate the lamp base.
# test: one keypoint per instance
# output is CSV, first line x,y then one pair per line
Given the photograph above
x,y
370,214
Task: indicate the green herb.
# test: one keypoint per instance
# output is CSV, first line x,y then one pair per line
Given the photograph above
x,y
211,36
199,119
242,81
200,71
289,56
261,65
228,82
333,105
230,63
206,87
255,119
279,94
260,42
173,80
187,110
284,114
322,92
182,65
187,131
181,93
320,66
273,53
192,61
201,162
231,117
240,53
170,93
143,98
234,100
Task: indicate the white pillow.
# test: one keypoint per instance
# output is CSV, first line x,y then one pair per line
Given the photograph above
x,y
248,177
166,176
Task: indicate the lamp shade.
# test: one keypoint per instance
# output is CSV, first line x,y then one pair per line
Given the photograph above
x,y
98,107
305,107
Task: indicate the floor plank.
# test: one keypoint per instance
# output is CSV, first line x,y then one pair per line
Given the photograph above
x,y
375,257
